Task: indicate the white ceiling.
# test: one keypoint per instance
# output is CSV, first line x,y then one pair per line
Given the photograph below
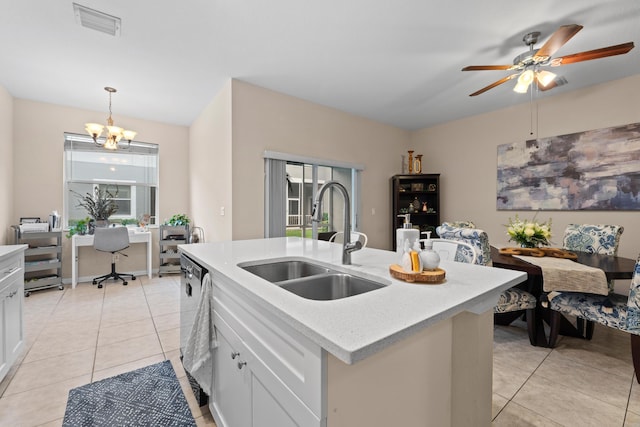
x,y
396,62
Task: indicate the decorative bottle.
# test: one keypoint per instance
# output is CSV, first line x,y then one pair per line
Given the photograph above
x,y
407,232
430,258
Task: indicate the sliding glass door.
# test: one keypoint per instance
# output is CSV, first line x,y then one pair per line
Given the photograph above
x,y
300,185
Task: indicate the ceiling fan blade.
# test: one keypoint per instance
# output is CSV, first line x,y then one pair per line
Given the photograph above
x,y
556,41
486,67
494,84
619,49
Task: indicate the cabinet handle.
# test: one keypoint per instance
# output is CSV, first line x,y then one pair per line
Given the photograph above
x,y
13,293
234,354
11,270
241,364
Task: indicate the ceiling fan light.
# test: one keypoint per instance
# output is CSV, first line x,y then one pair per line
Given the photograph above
x,y
545,77
526,78
521,87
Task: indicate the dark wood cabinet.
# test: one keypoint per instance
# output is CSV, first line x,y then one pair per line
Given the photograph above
x,y
418,195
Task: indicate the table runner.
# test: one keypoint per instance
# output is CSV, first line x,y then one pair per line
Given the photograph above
x,y
569,276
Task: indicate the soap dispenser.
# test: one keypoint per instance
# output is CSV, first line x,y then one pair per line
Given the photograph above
x,y
407,232
430,258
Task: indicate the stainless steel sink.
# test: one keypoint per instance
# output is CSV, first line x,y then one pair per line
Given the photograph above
x,y
285,270
310,280
330,286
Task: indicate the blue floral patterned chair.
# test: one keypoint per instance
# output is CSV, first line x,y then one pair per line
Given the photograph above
x,y
623,314
513,300
473,236
593,239
460,224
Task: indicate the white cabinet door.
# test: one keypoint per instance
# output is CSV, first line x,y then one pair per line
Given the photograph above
x,y
4,325
267,411
13,316
231,383
11,324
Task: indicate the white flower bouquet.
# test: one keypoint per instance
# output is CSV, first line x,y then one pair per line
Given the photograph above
x,y
529,234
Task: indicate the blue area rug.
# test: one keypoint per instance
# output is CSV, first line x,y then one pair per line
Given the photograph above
x,y
149,396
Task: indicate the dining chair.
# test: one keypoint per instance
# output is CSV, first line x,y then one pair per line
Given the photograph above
x,y
624,313
460,224
114,240
338,237
594,239
454,250
513,302
476,237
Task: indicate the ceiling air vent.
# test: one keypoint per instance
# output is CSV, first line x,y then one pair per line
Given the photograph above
x,y
96,20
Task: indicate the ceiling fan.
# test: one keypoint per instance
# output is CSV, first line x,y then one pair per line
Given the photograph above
x,y
529,64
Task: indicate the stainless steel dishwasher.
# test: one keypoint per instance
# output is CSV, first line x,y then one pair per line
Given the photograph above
x,y
190,291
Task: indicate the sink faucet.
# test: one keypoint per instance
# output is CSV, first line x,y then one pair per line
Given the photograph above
x,y
347,246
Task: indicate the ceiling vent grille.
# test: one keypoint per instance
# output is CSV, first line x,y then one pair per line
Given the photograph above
x,y
96,20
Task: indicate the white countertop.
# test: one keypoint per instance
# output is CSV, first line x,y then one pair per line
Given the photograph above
x,y
7,250
353,328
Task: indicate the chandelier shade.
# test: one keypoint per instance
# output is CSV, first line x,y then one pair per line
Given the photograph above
x,y
114,133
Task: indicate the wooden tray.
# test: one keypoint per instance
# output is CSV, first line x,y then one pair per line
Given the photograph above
x,y
434,277
539,252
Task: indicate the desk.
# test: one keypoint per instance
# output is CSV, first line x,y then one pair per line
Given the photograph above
x,y
614,267
87,240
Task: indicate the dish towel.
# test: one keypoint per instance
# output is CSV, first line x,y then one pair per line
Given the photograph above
x,y
197,358
563,275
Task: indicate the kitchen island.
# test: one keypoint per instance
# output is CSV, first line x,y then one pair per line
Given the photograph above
x,y
405,354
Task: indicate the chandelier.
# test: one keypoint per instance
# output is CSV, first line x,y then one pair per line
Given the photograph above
x,y
114,133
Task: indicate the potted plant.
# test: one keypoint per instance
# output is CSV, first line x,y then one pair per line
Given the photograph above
x,y
130,222
178,219
99,205
80,227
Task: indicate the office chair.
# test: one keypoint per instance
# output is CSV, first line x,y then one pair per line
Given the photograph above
x,y
111,239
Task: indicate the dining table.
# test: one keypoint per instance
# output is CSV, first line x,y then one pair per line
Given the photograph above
x,y
614,267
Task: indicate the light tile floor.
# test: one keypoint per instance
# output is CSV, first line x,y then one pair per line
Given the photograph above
x,y
77,336
578,383
81,335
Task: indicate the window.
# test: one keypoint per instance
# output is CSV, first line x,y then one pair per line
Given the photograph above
x,y
130,175
291,186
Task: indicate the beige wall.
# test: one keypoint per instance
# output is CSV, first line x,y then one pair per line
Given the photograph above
x,y
38,156
210,167
6,164
267,120
465,153
229,137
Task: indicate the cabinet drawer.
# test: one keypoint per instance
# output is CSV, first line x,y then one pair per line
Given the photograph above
x,y
295,360
9,267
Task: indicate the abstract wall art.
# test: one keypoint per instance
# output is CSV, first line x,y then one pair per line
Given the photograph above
x,y
591,170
